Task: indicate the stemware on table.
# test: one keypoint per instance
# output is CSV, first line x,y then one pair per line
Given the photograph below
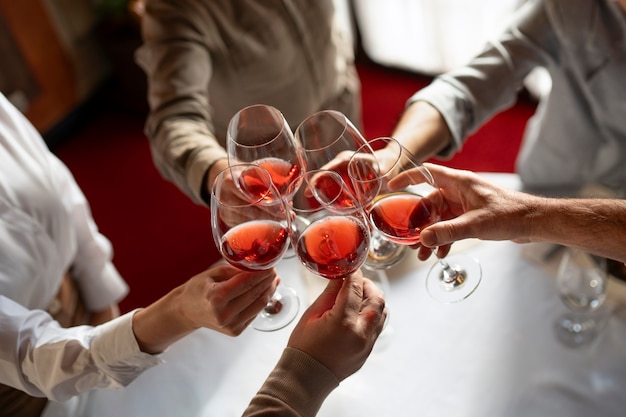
x,y
581,283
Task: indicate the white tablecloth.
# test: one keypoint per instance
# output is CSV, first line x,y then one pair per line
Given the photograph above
x,y
494,354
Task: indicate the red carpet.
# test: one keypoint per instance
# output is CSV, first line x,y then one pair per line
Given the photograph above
x,y
161,238
492,149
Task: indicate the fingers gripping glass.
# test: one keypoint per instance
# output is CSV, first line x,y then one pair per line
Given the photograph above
x,y
401,198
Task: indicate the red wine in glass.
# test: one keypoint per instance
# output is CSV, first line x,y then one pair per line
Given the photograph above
x,y
400,217
255,245
334,246
282,172
250,228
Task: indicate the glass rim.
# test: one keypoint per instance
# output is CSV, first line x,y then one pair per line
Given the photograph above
x,y
279,116
341,118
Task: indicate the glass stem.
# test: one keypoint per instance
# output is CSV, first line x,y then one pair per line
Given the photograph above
x,y
451,276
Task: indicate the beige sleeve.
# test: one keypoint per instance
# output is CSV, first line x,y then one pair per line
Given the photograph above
x,y
297,386
183,150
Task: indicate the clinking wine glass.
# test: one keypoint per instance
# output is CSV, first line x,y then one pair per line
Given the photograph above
x,y
581,283
328,139
260,134
251,230
329,230
400,213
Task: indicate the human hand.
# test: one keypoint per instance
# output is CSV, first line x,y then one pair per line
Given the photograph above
x,y
225,298
475,208
339,329
222,298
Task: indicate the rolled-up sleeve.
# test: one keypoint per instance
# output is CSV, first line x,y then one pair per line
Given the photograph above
x,y
470,95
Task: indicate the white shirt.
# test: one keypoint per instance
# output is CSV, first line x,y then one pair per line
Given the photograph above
x,y
46,229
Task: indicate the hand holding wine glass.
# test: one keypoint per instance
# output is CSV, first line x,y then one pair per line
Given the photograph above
x,y
400,213
251,230
329,231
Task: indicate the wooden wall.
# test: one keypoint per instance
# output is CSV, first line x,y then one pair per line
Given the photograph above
x,y
48,67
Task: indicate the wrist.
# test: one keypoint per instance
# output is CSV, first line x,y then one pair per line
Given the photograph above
x,y
162,323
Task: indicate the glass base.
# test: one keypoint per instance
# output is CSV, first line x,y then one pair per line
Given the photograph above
x,y
454,284
279,312
383,254
575,330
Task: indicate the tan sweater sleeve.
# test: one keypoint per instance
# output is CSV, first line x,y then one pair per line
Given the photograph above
x,y
297,386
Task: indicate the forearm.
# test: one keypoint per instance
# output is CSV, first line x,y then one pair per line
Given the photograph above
x,y
297,387
183,150
422,130
594,225
162,323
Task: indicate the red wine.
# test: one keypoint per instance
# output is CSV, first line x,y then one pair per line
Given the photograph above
x,y
364,180
332,192
334,247
255,245
401,217
282,172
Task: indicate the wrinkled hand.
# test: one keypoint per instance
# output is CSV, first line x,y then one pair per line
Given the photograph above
x,y
339,329
225,298
439,206
475,208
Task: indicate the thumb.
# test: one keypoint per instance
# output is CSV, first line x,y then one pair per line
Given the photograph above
x,y
444,232
326,300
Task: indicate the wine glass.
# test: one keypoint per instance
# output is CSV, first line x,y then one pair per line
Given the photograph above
x,y
328,140
329,230
400,213
251,230
581,282
260,134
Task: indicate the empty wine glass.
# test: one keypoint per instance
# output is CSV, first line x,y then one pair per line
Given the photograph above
x,y
329,230
400,213
328,140
251,230
581,282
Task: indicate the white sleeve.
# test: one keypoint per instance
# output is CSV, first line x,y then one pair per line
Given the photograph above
x,y
43,359
98,279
